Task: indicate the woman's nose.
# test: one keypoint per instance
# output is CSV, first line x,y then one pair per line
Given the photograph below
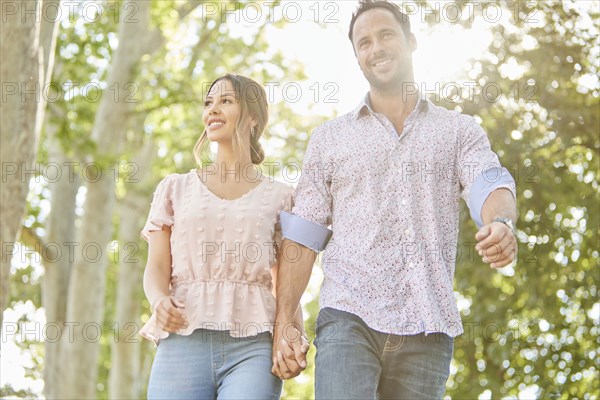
x,y
213,109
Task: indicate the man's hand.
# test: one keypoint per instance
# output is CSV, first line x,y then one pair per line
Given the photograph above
x,y
289,351
497,244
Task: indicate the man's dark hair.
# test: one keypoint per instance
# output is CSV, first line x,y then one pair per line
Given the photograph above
x,y
366,5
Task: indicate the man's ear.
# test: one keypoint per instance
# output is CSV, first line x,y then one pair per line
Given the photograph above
x,y
412,42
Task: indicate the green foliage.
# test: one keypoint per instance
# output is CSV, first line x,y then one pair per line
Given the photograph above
x,y
7,390
535,327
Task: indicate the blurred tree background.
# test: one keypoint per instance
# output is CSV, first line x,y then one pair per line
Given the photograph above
x,y
127,92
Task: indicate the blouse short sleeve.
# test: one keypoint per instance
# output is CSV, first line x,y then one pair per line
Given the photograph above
x,y
161,209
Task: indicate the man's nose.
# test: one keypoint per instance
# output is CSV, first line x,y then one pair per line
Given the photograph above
x,y
378,48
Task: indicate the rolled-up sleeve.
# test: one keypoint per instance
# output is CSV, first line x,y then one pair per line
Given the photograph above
x,y
480,172
311,215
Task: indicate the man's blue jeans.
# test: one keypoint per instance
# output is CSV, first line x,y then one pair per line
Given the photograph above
x,y
356,362
211,364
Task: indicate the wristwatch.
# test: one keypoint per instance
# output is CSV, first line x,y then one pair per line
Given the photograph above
x,y
508,222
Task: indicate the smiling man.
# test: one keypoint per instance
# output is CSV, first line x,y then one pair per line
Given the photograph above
x,y
387,178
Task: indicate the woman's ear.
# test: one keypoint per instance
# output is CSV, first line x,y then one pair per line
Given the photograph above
x,y
253,126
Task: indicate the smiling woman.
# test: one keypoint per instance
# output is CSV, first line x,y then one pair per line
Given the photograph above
x,y
214,238
235,105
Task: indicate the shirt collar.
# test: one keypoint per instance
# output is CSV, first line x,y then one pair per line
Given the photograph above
x,y
365,104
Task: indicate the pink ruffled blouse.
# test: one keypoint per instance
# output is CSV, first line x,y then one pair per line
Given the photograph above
x,y
222,252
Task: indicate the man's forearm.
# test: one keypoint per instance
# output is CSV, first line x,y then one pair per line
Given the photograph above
x,y
294,273
500,203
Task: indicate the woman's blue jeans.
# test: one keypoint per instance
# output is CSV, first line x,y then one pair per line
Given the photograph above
x,y
211,364
356,362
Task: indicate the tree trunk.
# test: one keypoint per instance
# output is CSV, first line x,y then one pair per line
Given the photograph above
x,y
26,61
61,220
60,236
85,304
125,381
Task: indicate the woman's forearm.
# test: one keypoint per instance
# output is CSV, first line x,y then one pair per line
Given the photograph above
x,y
156,284
157,275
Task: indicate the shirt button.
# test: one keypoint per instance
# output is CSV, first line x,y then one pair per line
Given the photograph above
x,y
219,229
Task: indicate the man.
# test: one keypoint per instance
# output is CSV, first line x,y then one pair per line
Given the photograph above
x,y
387,178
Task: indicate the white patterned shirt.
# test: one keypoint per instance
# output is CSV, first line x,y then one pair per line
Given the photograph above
x,y
392,202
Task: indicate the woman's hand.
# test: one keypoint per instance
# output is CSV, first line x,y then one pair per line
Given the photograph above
x,y
290,346
170,315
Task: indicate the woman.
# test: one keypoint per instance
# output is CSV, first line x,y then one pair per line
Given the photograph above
x,y
213,236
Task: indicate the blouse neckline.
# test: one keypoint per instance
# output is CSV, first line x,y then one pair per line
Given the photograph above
x,y
248,193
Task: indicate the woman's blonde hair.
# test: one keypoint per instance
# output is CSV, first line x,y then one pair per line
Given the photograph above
x,y
252,99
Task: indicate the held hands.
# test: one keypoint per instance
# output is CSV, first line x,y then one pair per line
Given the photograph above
x,y
289,351
169,314
497,244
